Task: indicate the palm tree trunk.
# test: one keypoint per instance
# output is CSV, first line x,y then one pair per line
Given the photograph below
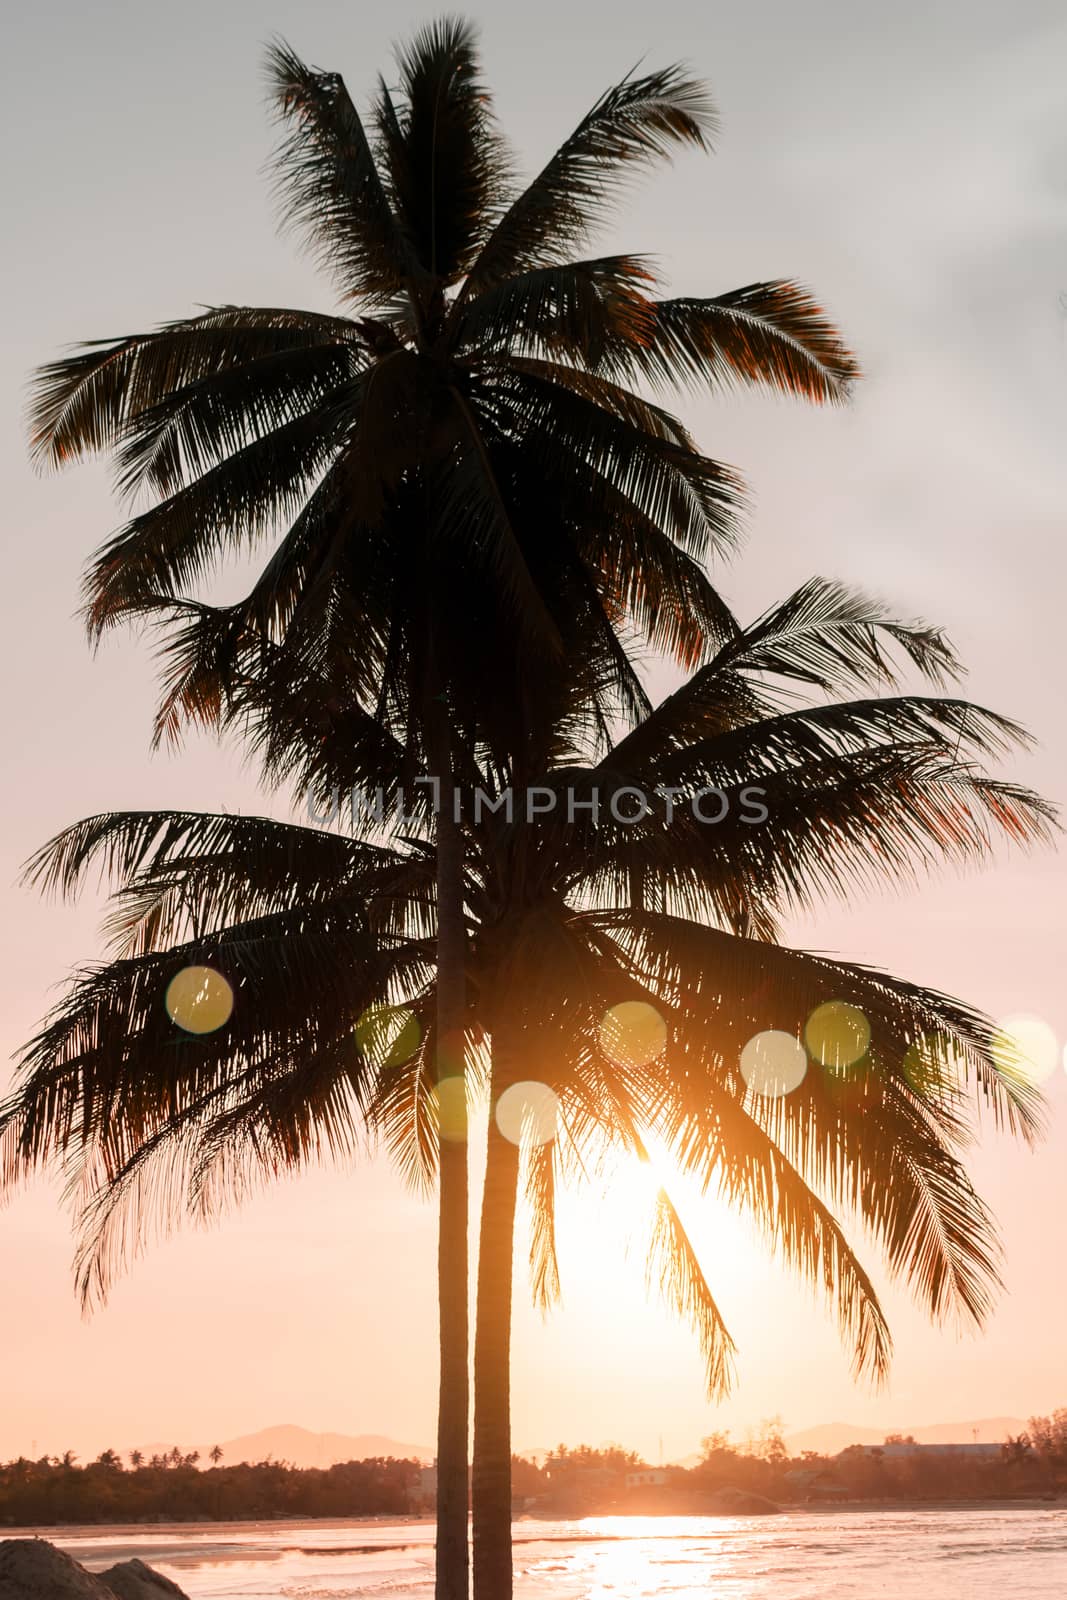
x,y
491,1480
452,1565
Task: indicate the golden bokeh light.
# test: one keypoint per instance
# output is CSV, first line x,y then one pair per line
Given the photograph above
x,y
773,1063
199,999
388,1035
1027,1043
450,1099
926,1065
837,1034
528,1112
633,1033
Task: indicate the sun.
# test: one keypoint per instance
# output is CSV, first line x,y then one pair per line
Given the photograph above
x,y
605,1223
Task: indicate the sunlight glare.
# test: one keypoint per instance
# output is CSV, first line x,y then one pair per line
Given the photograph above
x,y
837,1034
926,1065
199,1000
388,1035
773,1063
1029,1043
450,1099
528,1112
633,1033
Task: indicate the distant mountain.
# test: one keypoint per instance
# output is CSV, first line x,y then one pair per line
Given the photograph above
x,y
306,1449
830,1437
302,1447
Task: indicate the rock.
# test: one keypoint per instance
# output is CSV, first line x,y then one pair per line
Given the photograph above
x,y
132,1580
33,1569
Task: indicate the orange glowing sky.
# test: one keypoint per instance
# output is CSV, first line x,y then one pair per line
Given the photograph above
x,y
908,164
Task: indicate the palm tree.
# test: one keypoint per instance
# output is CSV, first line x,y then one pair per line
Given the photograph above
x,y
136,1459
565,919
215,1454
479,375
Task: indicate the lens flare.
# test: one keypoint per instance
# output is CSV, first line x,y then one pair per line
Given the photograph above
x,y
528,1112
450,1099
633,1033
837,1034
1027,1043
773,1063
388,1035
199,999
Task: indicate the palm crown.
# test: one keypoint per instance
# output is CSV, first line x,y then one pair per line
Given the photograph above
x,y
466,441
565,920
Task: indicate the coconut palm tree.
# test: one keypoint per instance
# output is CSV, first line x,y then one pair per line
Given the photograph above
x,y
566,918
404,450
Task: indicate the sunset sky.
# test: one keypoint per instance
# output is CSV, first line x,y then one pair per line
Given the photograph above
x,y
909,162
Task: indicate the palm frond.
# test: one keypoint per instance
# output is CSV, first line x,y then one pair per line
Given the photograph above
x,y
173,545
711,1133
122,844
832,638
570,310
448,168
636,123
329,185
541,1195
739,987
773,334
179,438
674,1262
84,403
567,436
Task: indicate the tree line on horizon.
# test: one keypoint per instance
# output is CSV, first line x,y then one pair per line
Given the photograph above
x,y
479,522
567,1480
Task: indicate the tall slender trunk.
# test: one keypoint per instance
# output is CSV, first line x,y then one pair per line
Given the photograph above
x,y
491,1480
453,1416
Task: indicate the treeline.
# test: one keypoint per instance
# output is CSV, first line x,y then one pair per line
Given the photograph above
x,y
43,1493
1031,1465
175,1487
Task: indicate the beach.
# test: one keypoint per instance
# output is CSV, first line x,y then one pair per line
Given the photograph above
x,y
935,1553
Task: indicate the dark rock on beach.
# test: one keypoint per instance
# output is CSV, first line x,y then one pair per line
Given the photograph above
x,y
132,1580
33,1569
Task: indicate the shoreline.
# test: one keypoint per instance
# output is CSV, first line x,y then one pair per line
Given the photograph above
x,y
526,1520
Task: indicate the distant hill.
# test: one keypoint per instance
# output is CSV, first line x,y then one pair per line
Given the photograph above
x,y
830,1437
306,1449
302,1447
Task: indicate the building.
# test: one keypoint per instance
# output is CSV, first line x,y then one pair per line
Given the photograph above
x,y
646,1478
894,1452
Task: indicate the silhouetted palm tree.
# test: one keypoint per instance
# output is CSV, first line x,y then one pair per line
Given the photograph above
x,y
215,1454
566,918
136,1459
411,446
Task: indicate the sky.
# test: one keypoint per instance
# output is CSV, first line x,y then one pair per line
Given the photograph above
x,y
909,163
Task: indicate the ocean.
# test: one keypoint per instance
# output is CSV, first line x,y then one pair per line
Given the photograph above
x,y
830,1555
